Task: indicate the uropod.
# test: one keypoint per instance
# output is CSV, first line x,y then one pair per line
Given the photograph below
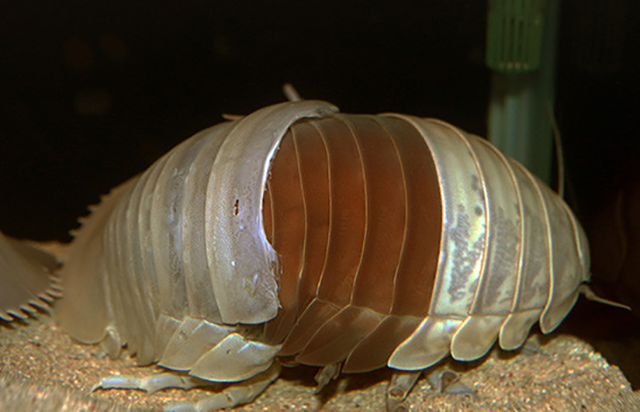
x,y
27,279
300,235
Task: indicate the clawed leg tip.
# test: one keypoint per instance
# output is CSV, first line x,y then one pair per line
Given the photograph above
x,y
448,382
399,387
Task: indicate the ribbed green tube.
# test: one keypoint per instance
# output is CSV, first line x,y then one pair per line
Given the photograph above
x,y
521,49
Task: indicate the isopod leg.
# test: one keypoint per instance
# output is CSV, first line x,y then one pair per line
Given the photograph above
x,y
234,395
152,383
446,381
399,387
326,374
111,344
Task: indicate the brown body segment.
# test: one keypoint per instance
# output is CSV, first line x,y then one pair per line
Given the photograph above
x,y
353,209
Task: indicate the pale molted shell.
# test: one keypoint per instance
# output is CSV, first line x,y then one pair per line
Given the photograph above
x,y
27,280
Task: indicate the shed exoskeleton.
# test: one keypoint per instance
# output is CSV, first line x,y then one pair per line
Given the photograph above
x,y
27,279
297,233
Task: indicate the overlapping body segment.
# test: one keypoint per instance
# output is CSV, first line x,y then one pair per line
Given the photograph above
x,y
477,266
364,243
344,241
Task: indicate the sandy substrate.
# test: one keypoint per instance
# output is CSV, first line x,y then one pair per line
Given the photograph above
x,y
43,369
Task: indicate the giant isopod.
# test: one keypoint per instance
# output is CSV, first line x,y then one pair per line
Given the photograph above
x,y
298,234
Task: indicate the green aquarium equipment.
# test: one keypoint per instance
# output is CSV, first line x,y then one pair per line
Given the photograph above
x,y
521,50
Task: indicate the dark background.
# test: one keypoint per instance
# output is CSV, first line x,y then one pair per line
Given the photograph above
x,y
92,92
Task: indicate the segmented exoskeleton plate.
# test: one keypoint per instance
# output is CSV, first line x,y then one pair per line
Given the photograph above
x,y
326,239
